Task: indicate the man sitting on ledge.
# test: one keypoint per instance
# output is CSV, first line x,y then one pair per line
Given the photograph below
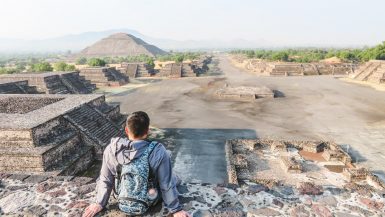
x,y
136,169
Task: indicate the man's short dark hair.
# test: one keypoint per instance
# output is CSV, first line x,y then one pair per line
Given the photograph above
x,y
138,123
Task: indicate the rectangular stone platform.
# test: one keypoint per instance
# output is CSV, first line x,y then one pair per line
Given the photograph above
x,y
16,87
56,134
53,82
104,76
136,70
244,93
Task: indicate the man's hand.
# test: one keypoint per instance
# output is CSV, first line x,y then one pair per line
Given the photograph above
x,y
92,209
181,213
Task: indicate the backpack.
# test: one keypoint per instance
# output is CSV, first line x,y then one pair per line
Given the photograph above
x,y
132,184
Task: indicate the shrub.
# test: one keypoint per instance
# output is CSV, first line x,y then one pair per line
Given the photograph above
x,y
96,62
41,67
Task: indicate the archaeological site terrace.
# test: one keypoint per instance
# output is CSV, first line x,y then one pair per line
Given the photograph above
x,y
55,134
49,82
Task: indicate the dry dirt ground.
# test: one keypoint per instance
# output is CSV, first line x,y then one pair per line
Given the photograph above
x,y
312,107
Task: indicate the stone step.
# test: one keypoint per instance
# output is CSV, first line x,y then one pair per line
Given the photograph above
x,y
75,84
93,125
74,164
41,158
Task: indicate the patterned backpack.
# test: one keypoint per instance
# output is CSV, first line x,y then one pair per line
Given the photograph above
x,y
132,184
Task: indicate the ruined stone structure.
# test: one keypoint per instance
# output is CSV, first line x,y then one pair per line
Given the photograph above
x,y
372,71
54,82
104,76
244,93
243,154
333,152
136,70
172,70
355,174
16,87
299,69
54,134
314,147
188,70
290,165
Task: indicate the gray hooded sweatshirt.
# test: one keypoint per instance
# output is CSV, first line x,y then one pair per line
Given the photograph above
x,y
122,151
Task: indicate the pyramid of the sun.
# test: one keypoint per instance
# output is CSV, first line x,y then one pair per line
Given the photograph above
x,y
121,44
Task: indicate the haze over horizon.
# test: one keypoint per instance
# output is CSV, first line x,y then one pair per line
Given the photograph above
x,y
275,23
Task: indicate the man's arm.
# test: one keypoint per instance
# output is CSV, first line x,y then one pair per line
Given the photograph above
x,y
104,184
161,165
106,180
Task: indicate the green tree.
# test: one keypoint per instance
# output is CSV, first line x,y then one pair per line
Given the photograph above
x,y
60,66
81,61
281,56
96,62
70,67
179,58
41,67
250,54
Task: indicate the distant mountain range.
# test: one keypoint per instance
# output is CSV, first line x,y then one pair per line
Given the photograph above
x,y
77,42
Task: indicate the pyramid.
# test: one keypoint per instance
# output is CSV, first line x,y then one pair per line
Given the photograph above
x,y
120,44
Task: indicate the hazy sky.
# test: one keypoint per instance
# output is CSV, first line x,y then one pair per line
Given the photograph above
x,y
292,22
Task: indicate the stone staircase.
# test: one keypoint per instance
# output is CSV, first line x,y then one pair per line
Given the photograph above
x,y
366,70
53,82
77,84
104,76
378,76
93,125
144,70
16,87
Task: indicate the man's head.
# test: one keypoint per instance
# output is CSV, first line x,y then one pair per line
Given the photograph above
x,y
137,125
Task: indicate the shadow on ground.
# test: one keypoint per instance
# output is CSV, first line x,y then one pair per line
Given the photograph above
x,y
199,154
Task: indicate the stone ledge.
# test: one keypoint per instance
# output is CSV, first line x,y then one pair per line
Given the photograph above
x,y
68,196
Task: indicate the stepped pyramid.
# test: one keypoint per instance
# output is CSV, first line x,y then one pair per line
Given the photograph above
x,y
50,83
55,134
120,44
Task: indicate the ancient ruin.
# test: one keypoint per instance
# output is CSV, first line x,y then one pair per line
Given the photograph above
x,y
136,70
296,69
16,87
309,160
372,71
54,134
104,76
53,82
185,69
171,70
120,44
244,93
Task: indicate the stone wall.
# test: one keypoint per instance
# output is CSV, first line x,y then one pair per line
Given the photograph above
x,y
53,82
16,87
299,69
